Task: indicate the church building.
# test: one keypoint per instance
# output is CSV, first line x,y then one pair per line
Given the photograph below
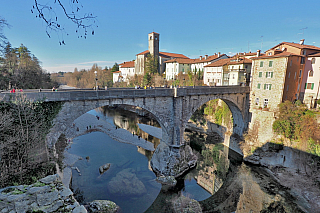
x,y
153,49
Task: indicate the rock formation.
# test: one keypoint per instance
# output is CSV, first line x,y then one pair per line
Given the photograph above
x,y
172,161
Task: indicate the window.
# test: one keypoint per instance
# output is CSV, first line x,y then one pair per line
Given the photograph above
x,y
302,60
289,75
290,63
259,85
257,101
310,73
300,73
270,63
295,75
233,76
265,103
261,63
267,86
260,74
309,86
313,61
269,74
304,52
270,53
287,87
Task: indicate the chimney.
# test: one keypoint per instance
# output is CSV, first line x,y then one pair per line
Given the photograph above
x,y
206,57
218,54
302,41
258,53
200,57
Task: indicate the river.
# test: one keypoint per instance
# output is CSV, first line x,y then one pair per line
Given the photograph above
x,y
221,182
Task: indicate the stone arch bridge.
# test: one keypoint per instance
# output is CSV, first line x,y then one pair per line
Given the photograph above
x,y
172,108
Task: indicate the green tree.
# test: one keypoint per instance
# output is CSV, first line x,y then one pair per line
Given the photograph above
x,y
115,67
151,64
297,123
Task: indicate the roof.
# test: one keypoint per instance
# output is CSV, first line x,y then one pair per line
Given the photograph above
x,y
117,72
180,60
209,58
127,64
297,45
279,55
314,55
219,63
240,61
172,55
229,61
165,54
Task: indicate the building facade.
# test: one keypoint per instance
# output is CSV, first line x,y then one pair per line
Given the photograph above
x,y
277,76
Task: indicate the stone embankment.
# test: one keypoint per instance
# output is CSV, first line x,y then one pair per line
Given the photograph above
x,y
47,195
294,169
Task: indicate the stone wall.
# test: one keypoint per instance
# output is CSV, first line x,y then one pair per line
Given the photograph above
x,y
47,195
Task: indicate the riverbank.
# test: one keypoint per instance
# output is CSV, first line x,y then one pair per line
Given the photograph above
x,y
294,169
89,123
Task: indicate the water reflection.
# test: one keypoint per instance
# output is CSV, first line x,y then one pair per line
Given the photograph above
x,y
128,118
220,182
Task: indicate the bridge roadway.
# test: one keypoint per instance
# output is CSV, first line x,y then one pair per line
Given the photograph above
x,y
120,93
172,108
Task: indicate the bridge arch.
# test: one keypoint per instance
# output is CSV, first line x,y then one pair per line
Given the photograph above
x,y
239,124
74,109
236,104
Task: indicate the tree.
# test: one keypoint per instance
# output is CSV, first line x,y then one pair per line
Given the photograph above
x,y
296,122
23,128
115,67
3,39
151,64
22,69
85,22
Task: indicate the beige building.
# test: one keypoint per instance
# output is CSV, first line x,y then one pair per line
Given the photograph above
x,y
276,76
153,41
311,79
127,70
230,71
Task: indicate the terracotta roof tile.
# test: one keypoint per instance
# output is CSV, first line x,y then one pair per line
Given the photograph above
x,y
314,55
219,63
128,64
282,54
240,61
180,60
117,72
165,54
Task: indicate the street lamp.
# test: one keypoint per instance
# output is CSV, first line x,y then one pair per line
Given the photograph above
x,y
95,72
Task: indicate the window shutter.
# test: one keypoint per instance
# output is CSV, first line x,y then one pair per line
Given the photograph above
x,y
271,74
312,85
270,86
265,86
259,86
305,86
266,74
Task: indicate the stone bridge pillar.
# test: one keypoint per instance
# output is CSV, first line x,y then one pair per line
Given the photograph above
x,y
172,157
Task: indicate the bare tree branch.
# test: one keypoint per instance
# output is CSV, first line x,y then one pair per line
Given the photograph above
x,y
84,22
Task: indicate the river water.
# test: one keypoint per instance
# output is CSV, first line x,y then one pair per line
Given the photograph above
x,y
130,182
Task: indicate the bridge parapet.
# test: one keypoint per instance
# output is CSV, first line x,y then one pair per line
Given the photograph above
x,y
212,90
81,95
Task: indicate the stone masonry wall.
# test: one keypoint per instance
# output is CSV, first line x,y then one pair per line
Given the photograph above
x,y
47,195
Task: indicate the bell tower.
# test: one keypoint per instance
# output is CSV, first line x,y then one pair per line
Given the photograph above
x,y
153,39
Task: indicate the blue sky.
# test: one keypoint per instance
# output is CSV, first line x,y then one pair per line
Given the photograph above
x,y
187,27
